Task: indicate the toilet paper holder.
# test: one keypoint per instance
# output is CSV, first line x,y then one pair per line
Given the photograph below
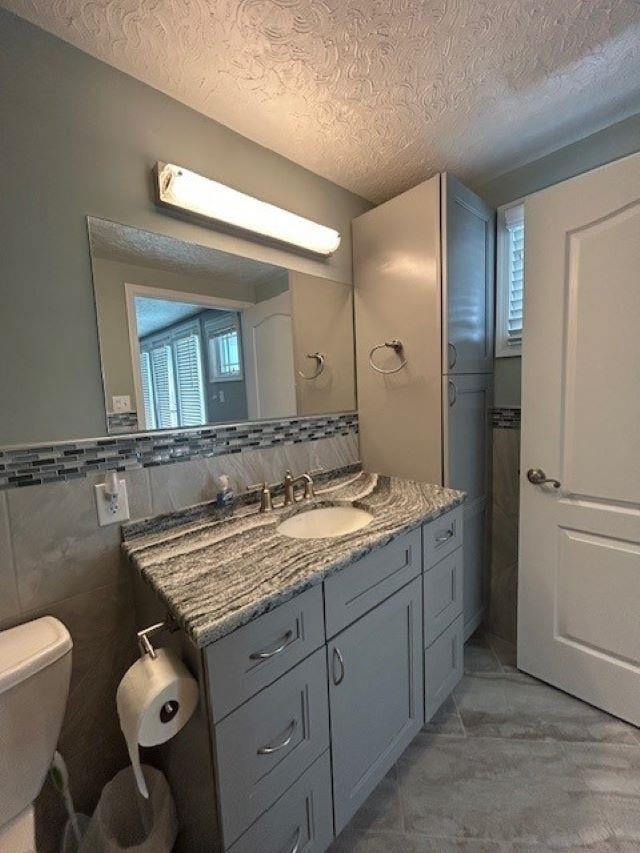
x,y
144,642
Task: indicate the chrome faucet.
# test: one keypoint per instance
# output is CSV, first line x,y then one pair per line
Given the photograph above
x,y
290,483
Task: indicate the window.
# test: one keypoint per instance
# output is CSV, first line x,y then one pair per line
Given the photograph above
x,y
225,354
510,280
172,378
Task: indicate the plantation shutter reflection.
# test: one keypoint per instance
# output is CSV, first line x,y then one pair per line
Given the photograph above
x,y
147,391
189,385
164,387
515,226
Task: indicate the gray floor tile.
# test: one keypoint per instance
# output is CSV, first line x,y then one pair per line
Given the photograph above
x,y
478,657
393,842
506,791
505,652
612,774
507,706
446,720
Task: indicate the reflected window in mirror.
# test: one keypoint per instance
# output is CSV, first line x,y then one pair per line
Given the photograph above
x,y
191,336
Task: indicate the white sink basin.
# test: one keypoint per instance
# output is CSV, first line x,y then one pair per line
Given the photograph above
x,y
325,522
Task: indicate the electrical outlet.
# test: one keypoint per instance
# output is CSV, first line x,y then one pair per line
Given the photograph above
x,y
111,512
121,404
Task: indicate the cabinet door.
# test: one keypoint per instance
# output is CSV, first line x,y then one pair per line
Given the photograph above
x,y
467,442
375,696
468,239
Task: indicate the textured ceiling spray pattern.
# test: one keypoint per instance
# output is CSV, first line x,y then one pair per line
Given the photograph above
x,y
376,94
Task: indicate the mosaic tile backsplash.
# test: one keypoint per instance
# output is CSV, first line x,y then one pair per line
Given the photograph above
x,y
506,418
37,464
122,422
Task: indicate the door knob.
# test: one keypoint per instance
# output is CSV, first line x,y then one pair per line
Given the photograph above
x,y
539,478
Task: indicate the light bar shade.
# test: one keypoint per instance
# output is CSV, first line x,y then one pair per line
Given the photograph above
x,y
186,191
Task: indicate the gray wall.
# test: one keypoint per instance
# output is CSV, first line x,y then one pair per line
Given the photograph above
x,y
606,145
78,138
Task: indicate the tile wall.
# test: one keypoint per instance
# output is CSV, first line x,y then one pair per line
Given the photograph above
x,y
55,559
503,572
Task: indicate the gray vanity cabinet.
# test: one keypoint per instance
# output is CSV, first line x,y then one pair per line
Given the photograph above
x,y
375,696
310,704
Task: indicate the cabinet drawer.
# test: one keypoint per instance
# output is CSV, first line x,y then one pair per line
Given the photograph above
x,y
443,666
354,591
301,820
442,594
242,663
267,743
442,536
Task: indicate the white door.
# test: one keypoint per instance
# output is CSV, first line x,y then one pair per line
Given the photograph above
x,y
579,583
267,337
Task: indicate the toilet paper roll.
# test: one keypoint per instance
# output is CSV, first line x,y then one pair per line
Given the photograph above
x,y
155,699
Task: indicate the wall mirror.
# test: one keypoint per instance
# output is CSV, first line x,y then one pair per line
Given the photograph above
x,y
190,335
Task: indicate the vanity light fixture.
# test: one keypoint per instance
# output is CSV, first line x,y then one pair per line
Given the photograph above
x,y
185,191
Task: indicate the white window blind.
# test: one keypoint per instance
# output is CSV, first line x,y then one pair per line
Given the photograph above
x,y
189,386
164,387
147,391
510,285
172,378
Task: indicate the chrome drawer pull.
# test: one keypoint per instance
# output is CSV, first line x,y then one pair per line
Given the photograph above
x,y
445,538
337,656
265,655
269,750
296,844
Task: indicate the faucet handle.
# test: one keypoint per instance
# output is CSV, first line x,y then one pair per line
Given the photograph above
x,y
266,504
309,491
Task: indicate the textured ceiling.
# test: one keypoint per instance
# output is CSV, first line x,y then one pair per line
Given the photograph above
x,y
376,94
155,314
128,245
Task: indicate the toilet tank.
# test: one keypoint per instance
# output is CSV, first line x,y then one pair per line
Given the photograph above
x,y
35,668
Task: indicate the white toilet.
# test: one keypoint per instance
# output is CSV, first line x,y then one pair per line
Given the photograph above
x,y
35,668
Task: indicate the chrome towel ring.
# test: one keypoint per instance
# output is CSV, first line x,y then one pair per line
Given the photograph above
x,y
397,347
320,360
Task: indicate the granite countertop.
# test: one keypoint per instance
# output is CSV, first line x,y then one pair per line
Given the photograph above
x,y
216,572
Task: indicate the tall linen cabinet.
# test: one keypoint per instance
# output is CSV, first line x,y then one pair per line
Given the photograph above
x,y
424,277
